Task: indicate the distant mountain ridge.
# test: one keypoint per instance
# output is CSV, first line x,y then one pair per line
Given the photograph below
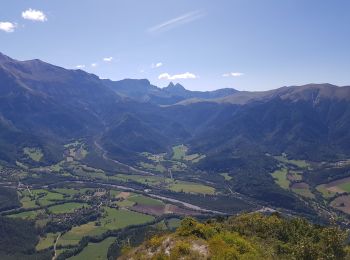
x,y
45,106
142,90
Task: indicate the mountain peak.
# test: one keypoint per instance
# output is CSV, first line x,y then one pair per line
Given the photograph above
x,y
4,58
173,86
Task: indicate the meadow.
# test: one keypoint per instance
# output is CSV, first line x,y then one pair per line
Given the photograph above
x,y
95,250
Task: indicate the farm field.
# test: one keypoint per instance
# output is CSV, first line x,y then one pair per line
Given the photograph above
x,y
334,187
325,191
302,189
179,152
27,202
342,203
298,163
33,153
190,187
47,241
95,251
281,178
146,201
167,183
112,219
226,176
27,214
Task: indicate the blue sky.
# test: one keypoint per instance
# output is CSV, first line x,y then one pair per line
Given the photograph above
x,y
203,44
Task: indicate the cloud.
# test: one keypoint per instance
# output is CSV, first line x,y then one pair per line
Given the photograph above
x,y
34,15
108,59
233,74
186,75
80,66
93,65
157,65
7,27
181,20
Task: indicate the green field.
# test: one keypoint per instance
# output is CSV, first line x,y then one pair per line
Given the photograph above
x,y
345,186
191,187
226,176
69,192
66,207
305,192
167,183
27,214
325,192
47,241
143,200
298,163
112,219
157,167
33,153
179,152
50,198
194,158
281,178
95,251
28,202
125,203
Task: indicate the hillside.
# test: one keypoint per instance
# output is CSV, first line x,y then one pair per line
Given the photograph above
x,y
249,236
244,149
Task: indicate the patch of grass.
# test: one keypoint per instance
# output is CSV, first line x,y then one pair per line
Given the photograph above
x,y
298,163
69,192
194,158
167,183
226,176
173,223
345,186
158,167
281,178
47,241
73,236
305,192
191,187
325,192
143,200
179,152
125,203
33,153
27,214
50,198
116,219
111,220
95,250
28,202
66,207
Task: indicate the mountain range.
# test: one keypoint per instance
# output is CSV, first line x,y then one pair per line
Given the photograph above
x,y
43,101
46,106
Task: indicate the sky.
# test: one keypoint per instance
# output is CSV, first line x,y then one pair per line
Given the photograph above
x,y
203,44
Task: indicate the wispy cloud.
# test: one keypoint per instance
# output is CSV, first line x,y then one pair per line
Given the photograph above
x,y
108,59
181,20
233,74
156,65
93,65
34,15
80,66
186,75
7,27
